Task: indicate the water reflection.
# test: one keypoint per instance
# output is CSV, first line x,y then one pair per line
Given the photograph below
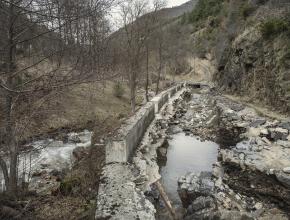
x,y
186,154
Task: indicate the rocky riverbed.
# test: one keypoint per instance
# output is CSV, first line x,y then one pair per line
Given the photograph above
x,y
44,163
250,179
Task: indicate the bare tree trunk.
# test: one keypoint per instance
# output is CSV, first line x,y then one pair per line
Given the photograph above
x,y
133,91
147,73
45,21
4,168
159,69
13,151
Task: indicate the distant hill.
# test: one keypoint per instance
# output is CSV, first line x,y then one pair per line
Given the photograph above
x,y
178,10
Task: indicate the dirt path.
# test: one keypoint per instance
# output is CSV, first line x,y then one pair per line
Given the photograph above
x,y
261,110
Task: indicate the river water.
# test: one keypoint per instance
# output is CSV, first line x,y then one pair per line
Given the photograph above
x,y
49,154
186,154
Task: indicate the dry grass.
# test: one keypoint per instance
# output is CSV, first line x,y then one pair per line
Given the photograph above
x,y
74,108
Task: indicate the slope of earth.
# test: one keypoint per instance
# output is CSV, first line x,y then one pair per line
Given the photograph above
x,y
249,42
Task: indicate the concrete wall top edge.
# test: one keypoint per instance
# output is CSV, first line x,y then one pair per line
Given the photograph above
x,y
130,123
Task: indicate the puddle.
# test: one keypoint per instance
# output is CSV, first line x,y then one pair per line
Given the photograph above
x,y
186,154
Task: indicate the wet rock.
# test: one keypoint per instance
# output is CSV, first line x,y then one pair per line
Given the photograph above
x,y
194,185
258,206
174,130
285,144
264,132
237,107
217,170
243,125
285,125
284,178
286,170
279,134
73,138
266,141
153,194
162,151
202,203
162,156
258,122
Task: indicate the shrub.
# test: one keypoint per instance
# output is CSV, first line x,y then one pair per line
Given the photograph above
x,y
247,10
274,27
70,186
206,8
183,19
118,90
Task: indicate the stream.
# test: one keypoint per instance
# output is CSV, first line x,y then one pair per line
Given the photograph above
x,y
49,154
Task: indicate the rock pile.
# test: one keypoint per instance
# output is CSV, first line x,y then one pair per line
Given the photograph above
x,y
252,178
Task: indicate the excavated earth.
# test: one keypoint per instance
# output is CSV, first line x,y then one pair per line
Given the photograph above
x,y
250,180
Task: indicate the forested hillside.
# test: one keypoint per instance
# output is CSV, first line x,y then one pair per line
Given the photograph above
x,y
248,42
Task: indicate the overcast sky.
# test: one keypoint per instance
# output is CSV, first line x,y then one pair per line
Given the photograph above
x,y
115,19
172,3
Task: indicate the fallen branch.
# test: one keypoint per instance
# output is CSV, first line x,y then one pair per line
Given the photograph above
x,y
166,200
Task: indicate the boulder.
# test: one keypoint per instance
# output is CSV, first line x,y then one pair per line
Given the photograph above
x,y
202,203
286,170
284,178
194,185
258,122
285,125
73,138
279,134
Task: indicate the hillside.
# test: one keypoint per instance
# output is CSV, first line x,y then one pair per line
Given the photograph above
x,y
182,113
246,47
178,10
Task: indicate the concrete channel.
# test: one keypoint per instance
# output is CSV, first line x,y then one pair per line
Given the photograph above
x,y
119,197
121,147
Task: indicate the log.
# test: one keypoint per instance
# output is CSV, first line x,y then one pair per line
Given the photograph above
x,y
166,200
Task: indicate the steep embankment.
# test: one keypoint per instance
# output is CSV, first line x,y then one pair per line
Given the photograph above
x,y
258,60
250,45
242,46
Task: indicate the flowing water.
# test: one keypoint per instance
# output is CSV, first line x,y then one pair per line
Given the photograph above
x,y
50,154
186,154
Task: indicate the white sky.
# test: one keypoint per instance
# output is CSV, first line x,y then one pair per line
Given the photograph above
x,y
172,3
115,19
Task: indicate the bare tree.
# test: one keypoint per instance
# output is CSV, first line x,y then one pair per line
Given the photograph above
x,y
62,35
152,25
136,28
160,57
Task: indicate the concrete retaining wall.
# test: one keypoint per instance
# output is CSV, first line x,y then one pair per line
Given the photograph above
x,y
121,147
